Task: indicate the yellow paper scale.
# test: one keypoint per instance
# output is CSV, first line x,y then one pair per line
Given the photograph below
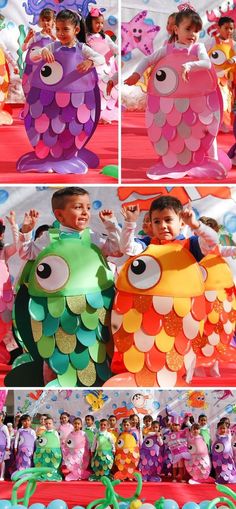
x,y
65,342
164,342
182,306
134,360
37,330
132,320
213,317
87,376
76,304
221,294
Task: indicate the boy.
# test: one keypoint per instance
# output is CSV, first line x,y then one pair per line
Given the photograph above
x,y
71,207
204,430
167,218
113,429
90,429
103,450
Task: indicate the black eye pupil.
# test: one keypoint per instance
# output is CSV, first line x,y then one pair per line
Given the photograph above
x,y
138,267
140,31
46,71
44,270
215,54
134,30
161,75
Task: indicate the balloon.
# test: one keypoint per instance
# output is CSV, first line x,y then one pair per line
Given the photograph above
x,y
5,504
37,506
190,505
111,170
170,504
204,504
57,504
78,507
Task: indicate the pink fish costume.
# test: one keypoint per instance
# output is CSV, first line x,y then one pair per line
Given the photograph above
x,y
177,443
199,465
183,118
64,431
76,456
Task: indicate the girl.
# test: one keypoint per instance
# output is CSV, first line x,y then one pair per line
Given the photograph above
x,y
5,443
102,43
177,443
135,428
25,444
222,455
64,429
46,23
70,29
199,465
77,453
170,25
147,421
6,292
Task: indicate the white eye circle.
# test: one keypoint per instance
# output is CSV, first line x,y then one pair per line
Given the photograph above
x,y
234,445
219,447
70,443
42,441
192,448
204,272
32,51
51,73
52,273
218,57
144,272
166,80
21,441
149,443
120,443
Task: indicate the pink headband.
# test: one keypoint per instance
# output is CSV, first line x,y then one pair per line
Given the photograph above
x,y
94,12
186,6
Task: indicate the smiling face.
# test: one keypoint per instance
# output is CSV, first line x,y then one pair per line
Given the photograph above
x,y
77,424
166,224
76,213
97,24
66,32
64,419
186,32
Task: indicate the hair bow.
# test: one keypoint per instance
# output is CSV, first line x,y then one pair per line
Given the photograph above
x,y
94,12
186,7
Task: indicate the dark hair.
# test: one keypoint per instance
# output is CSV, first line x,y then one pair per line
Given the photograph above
x,y
225,420
166,202
147,417
47,14
2,230
89,415
74,19
103,420
112,415
209,221
61,197
125,420
65,413
195,426
201,415
49,418
154,423
191,419
88,22
193,18
222,423
135,415
42,228
25,416
77,419
224,19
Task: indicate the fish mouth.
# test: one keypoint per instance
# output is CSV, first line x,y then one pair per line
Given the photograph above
x,y
137,38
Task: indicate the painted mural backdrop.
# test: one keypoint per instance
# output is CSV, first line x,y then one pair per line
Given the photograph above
x,y
143,30
216,202
102,403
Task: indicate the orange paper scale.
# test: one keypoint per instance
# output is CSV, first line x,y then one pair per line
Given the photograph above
x,y
155,360
123,302
142,303
123,340
152,322
198,310
182,344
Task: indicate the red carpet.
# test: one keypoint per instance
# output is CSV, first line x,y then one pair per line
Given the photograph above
x,y
138,153
14,143
227,378
82,493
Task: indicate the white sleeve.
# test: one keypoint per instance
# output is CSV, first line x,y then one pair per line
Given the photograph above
x,y
16,439
89,54
208,238
203,61
28,248
7,435
150,60
110,244
37,54
113,47
128,245
11,249
227,250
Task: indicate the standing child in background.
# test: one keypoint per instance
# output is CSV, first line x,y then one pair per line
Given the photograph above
x,y
177,443
103,450
112,427
90,428
64,429
135,428
6,291
147,421
103,44
41,428
204,430
198,465
156,430
170,25
25,444
47,24
48,452
5,443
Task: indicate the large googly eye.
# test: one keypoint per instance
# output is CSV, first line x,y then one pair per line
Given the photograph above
x,y
144,272
70,443
234,445
149,443
166,80
120,443
218,57
219,447
52,273
21,441
204,272
192,448
42,441
51,73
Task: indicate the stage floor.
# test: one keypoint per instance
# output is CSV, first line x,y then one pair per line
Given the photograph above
x,y
14,143
138,153
82,493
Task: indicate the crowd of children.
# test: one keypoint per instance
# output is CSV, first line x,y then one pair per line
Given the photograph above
x,y
167,448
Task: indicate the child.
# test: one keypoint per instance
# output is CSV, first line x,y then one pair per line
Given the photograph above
x,y
69,30
5,443
41,428
222,455
6,291
156,430
147,421
204,430
46,23
104,45
135,428
167,218
76,455
177,443
126,426
199,465
186,421
48,452
64,429
170,25
71,207
25,444
112,427
103,450
90,429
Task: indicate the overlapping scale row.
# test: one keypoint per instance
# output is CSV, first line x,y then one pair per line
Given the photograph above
x,y
73,335
154,342
151,459
126,457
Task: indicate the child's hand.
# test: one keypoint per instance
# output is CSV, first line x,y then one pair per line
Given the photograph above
x,y
185,73
47,55
132,80
131,213
110,86
12,217
29,35
30,221
189,218
85,65
106,214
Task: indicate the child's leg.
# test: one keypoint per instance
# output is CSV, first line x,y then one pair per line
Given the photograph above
x,y
181,470
2,471
175,471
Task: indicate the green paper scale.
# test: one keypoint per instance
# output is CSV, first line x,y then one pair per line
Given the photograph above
x,y
48,454
103,458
